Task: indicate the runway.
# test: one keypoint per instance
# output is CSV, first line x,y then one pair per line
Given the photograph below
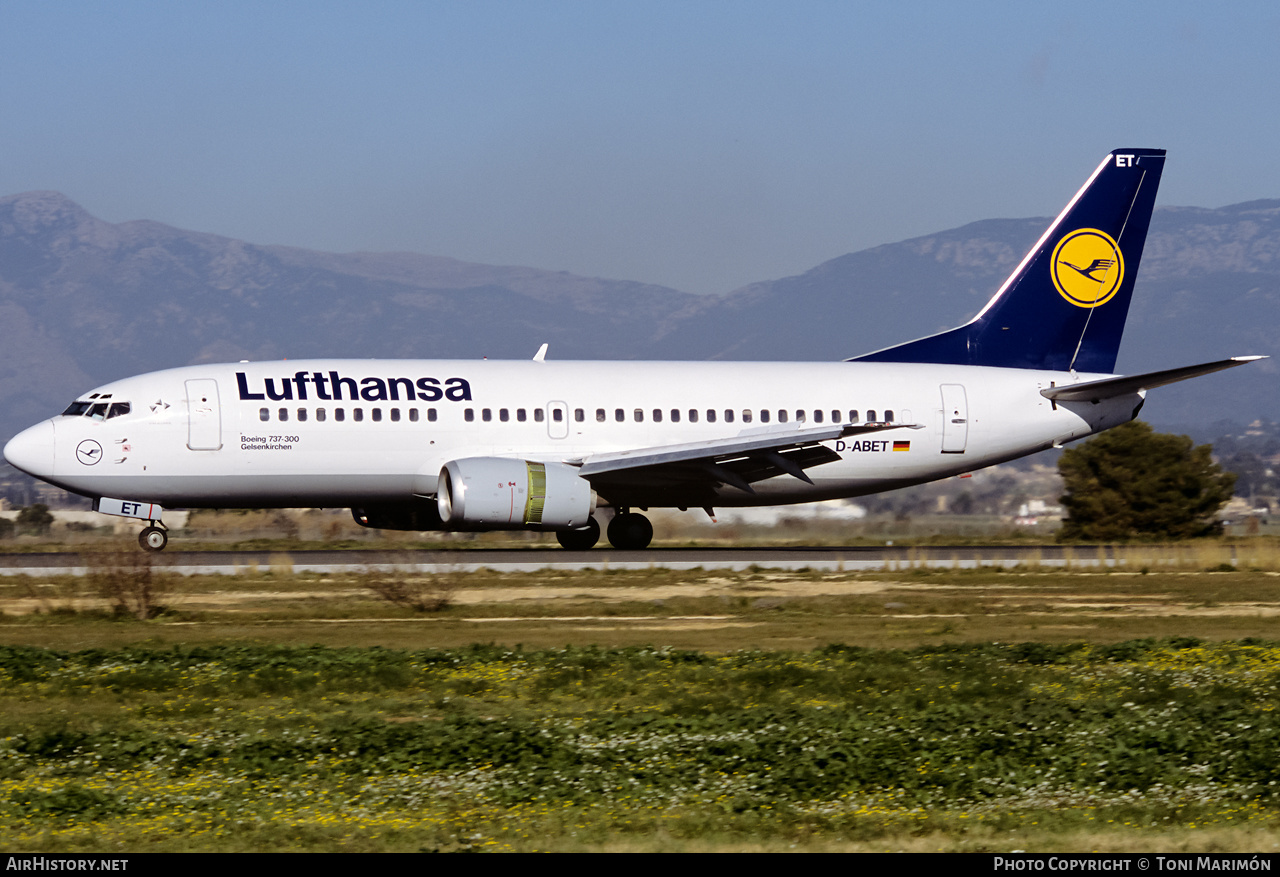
x,y
826,559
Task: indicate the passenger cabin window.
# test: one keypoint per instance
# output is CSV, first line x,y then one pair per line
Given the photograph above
x,y
538,415
395,415
600,415
264,414
557,415
693,415
521,415
888,415
486,415
711,415
782,415
357,414
469,415
413,415
504,415
377,414
764,415
675,415
431,415
639,415
320,414
657,415
871,415
619,415
339,414
746,415
302,414
817,416
728,415
579,415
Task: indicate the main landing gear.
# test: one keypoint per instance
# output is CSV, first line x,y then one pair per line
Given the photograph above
x,y
580,540
153,538
629,530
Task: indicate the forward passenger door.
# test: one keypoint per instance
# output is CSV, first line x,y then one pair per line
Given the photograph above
x,y
204,430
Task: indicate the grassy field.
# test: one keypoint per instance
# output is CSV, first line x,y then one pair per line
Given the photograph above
x,y
660,710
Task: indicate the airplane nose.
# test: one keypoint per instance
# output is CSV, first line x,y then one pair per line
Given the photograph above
x,y
32,450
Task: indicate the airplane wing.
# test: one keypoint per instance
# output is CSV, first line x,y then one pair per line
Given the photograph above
x,y
1096,391
752,455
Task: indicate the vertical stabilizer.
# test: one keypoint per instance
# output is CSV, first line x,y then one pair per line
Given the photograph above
x,y
1065,304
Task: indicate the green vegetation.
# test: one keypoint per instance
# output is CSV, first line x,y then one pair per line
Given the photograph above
x,y
971,716
1133,483
971,747
35,520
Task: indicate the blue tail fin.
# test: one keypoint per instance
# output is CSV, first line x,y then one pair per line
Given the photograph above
x,y
1064,306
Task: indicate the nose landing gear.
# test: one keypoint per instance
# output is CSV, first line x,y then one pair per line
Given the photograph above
x,y
153,538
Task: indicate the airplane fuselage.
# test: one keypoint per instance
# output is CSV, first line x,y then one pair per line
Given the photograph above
x,y
329,433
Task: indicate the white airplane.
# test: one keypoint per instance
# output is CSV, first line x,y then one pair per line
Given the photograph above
x,y
465,445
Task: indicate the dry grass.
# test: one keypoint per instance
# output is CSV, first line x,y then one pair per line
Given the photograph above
x,y
696,609
398,585
127,579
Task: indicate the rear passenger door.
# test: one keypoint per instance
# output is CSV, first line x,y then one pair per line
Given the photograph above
x,y
955,419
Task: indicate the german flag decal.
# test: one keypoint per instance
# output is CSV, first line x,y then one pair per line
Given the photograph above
x,y
902,446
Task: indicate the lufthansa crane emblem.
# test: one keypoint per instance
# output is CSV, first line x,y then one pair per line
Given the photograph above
x,y
88,452
1087,267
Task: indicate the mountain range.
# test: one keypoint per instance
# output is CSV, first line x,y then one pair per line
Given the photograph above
x,y
83,301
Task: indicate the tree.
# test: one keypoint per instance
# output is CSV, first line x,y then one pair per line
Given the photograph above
x,y
1133,483
35,519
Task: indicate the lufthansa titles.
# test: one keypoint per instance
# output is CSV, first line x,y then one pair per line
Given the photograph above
x,y
334,387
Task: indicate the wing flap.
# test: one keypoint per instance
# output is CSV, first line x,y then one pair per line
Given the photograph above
x,y
739,460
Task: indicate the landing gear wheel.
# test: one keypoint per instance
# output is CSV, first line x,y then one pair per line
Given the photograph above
x,y
153,539
579,540
630,531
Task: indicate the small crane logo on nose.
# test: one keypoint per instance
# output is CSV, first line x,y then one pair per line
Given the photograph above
x,y
88,452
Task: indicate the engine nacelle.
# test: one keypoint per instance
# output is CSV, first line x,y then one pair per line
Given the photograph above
x,y
501,493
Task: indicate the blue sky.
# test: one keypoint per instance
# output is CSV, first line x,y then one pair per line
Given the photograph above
x,y
701,145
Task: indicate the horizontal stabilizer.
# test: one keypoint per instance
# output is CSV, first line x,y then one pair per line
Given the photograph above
x,y
1107,388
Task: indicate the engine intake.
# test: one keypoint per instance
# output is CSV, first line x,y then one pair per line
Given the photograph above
x,y
499,492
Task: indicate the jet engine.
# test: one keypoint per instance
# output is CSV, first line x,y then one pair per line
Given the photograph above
x,y
502,493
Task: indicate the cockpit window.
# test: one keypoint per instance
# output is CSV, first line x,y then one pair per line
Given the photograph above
x,y
101,410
